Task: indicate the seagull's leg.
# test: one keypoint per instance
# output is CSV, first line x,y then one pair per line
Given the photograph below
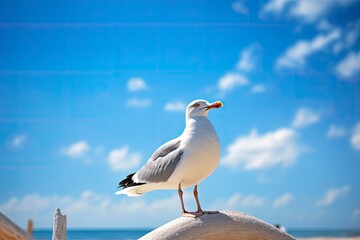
x,y
180,192
196,195
184,212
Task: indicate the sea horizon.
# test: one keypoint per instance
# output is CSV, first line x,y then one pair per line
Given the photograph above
x,y
135,233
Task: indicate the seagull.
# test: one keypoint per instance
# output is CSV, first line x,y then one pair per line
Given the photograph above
x,y
181,162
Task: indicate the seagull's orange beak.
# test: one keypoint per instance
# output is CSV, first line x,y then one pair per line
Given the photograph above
x,y
216,104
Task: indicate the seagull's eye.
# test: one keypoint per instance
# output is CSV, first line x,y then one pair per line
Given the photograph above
x,y
196,105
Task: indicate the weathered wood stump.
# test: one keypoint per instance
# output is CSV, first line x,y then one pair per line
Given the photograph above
x,y
224,225
59,227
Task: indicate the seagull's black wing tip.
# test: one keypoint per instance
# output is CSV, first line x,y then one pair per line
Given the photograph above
x,y
128,182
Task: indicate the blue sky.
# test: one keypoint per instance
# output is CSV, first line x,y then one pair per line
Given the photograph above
x,y
90,89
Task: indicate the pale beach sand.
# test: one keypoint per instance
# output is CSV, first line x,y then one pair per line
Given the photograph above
x,y
330,238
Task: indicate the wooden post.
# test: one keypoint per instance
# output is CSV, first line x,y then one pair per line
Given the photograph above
x,y
59,227
30,227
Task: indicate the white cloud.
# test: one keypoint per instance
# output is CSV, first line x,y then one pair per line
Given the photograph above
x,y
177,106
136,84
353,33
138,103
32,202
259,88
338,46
349,66
238,201
275,6
295,56
332,195
19,141
308,11
231,80
324,25
76,150
335,131
305,117
355,138
349,37
283,200
106,210
121,159
239,7
256,151
248,58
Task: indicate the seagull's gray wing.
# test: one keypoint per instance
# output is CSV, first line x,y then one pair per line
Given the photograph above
x,y
161,164
166,148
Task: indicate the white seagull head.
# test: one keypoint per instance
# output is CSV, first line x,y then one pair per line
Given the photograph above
x,y
201,107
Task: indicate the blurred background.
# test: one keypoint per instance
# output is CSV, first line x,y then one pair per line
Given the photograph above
x,y
89,89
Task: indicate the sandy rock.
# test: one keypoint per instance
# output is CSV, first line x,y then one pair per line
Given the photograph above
x,y
223,225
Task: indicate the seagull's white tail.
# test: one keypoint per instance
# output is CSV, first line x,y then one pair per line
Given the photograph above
x,y
143,188
130,191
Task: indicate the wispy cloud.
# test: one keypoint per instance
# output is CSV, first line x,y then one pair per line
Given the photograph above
x,y
355,137
296,55
305,117
240,7
283,200
31,202
76,150
231,80
258,88
335,131
332,195
138,103
249,58
307,11
106,211
329,36
274,6
122,159
19,141
136,84
176,106
237,201
348,38
324,25
349,66
256,151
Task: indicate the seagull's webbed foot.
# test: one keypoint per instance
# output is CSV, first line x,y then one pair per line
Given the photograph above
x,y
192,214
200,211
